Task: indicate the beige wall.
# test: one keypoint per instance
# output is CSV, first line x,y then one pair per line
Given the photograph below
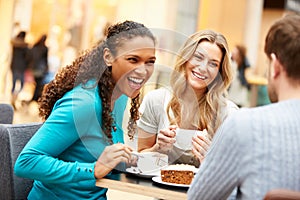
x,y
242,22
227,17
155,13
238,20
269,16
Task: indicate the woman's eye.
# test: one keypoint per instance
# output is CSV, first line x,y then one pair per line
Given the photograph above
x,y
151,62
132,60
199,57
213,64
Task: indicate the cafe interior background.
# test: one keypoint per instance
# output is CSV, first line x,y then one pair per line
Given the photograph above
x,y
75,25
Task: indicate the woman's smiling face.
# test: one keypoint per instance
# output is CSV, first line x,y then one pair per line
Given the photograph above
x,y
133,65
203,67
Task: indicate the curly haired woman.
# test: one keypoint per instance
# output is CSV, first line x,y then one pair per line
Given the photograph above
x,y
81,139
196,100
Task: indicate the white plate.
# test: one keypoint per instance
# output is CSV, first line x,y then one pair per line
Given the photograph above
x,y
157,179
135,171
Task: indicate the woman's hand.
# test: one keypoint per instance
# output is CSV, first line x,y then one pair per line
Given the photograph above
x,y
111,157
166,139
201,144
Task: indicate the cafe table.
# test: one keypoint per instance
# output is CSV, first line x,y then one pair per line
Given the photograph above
x,y
255,81
135,184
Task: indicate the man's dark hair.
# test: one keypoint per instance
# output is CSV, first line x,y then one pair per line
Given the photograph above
x,y
283,39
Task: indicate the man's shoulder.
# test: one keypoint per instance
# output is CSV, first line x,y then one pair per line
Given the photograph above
x,y
248,119
230,105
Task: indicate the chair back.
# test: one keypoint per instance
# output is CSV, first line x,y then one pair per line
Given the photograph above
x,y
13,138
282,194
6,113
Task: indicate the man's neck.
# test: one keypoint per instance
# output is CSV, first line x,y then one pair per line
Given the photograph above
x,y
288,91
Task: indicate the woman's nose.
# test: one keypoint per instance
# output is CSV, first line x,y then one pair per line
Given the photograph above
x,y
141,69
202,65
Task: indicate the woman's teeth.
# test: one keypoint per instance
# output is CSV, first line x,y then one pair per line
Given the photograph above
x,y
198,76
135,80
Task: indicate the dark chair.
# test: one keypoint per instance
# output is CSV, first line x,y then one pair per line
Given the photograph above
x,y
6,113
282,194
13,138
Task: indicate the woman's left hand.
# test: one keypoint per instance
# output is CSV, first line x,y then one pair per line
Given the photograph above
x,y
200,146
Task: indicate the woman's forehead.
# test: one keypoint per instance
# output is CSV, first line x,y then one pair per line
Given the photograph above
x,y
209,49
136,44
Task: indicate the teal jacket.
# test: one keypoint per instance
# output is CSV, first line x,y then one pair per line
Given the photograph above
x,y
61,156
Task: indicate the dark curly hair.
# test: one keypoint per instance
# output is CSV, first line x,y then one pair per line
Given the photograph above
x,y
90,65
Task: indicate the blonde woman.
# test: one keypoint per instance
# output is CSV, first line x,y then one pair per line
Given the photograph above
x,y
196,99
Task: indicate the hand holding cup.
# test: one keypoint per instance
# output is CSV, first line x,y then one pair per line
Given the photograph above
x,y
166,139
201,144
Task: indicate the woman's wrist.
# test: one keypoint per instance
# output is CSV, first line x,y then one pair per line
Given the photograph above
x,y
101,170
156,148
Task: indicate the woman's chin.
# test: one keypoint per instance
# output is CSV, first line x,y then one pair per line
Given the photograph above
x,y
132,93
135,94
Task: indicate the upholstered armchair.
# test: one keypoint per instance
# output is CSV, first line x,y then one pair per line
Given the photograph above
x,y
6,113
13,138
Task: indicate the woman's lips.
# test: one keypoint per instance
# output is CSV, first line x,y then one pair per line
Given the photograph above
x,y
135,83
199,76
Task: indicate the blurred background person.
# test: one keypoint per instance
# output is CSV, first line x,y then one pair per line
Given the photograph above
x,y
39,65
239,89
19,64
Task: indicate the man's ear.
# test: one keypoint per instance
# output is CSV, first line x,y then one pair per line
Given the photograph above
x,y
276,67
107,57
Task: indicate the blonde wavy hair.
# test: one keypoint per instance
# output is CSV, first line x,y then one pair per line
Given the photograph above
x,y
202,112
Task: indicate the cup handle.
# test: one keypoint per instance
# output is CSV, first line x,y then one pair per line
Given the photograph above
x,y
134,158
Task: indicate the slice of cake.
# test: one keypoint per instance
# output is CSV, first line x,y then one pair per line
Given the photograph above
x,y
178,174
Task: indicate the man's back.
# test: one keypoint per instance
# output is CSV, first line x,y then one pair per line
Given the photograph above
x,y
270,138
256,150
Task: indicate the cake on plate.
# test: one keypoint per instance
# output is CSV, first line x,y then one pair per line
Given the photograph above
x,y
178,174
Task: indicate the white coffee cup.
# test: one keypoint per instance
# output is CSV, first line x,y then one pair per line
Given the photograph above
x,y
184,137
150,161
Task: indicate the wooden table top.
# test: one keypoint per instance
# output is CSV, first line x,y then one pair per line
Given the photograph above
x,y
257,80
143,186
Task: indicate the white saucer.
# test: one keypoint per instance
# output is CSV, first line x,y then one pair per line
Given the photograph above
x,y
137,172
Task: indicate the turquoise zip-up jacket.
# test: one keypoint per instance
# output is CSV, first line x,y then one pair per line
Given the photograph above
x,y
61,156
